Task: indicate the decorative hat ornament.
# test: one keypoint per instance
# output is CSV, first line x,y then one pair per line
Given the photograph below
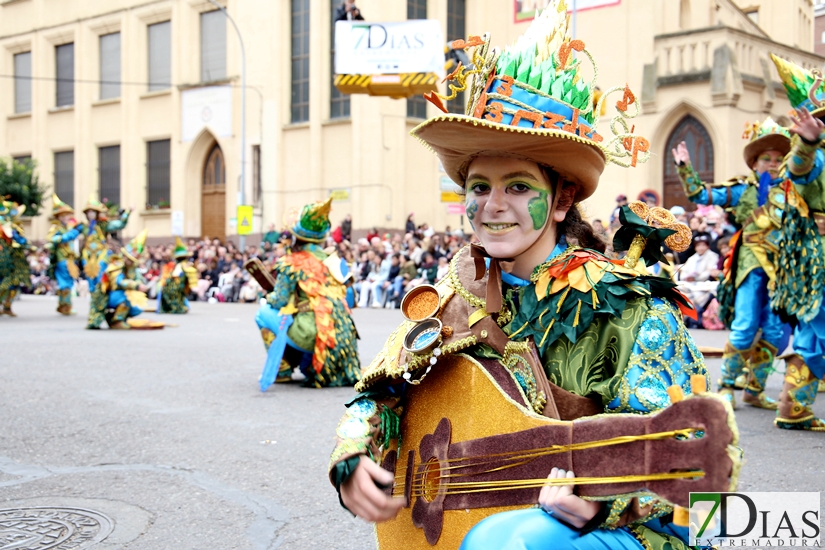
x,y
312,223
804,87
59,207
94,204
530,101
645,229
134,248
180,249
765,136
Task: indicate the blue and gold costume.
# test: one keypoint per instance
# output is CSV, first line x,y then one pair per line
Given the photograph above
x,y
799,287
306,323
116,299
14,269
757,202
176,282
63,258
606,333
95,254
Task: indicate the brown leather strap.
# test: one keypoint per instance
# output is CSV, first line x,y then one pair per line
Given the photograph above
x,y
493,298
709,192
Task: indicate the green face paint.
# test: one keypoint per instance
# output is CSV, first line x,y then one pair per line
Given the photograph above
x,y
538,209
472,209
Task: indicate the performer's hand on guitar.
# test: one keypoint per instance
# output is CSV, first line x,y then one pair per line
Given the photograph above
x,y
806,126
681,154
364,498
563,504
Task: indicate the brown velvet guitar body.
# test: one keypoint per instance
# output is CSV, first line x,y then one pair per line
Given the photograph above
x,y
466,410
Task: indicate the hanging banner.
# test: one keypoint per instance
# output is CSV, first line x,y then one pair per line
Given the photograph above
x,y
368,48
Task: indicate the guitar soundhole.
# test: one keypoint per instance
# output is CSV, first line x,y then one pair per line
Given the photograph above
x,y
431,480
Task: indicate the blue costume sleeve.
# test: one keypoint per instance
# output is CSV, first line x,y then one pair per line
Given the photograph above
x,y
68,236
813,174
663,354
284,287
697,191
118,224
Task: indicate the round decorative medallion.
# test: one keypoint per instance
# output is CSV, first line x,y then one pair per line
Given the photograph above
x,y
45,527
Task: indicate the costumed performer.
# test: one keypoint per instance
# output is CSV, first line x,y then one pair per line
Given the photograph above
x,y
757,201
95,253
14,268
799,284
121,290
177,280
538,313
63,233
306,323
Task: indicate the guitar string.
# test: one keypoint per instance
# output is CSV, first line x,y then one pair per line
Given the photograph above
x,y
509,485
530,454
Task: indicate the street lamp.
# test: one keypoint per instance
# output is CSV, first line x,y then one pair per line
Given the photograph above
x,y
242,187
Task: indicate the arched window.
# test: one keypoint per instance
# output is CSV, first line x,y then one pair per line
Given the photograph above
x,y
700,147
214,173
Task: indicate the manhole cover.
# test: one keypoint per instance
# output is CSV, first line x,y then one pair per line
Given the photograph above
x,y
44,527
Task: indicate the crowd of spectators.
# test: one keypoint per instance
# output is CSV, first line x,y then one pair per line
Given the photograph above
x,y
382,268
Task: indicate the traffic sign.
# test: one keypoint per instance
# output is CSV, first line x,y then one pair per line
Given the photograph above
x,y
244,220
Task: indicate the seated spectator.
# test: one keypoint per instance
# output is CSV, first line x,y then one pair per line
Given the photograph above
x,y
695,275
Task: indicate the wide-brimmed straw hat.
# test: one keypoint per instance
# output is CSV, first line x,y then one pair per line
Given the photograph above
x,y
767,136
531,102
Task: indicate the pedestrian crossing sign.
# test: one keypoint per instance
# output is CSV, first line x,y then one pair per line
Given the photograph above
x,y
244,220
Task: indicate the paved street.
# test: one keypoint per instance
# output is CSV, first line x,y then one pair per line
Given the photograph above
x,y
166,437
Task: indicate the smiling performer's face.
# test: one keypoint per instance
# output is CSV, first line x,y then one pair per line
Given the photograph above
x,y
509,204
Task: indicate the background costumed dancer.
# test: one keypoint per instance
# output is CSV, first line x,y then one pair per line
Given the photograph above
x,y
14,269
95,254
63,233
121,293
306,323
502,372
744,304
801,260
177,281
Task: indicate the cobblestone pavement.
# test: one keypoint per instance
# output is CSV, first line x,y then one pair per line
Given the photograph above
x,y
161,439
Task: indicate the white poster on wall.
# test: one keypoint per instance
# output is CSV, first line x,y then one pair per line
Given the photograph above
x,y
414,46
177,223
209,107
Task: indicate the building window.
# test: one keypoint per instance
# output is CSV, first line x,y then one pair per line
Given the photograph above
x,y
158,171
64,73
213,46
417,105
64,176
338,102
160,56
300,60
456,28
22,159
753,15
109,167
700,147
23,82
110,66
256,174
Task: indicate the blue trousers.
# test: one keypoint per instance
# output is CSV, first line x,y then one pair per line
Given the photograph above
x,y
534,529
61,273
809,343
752,311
